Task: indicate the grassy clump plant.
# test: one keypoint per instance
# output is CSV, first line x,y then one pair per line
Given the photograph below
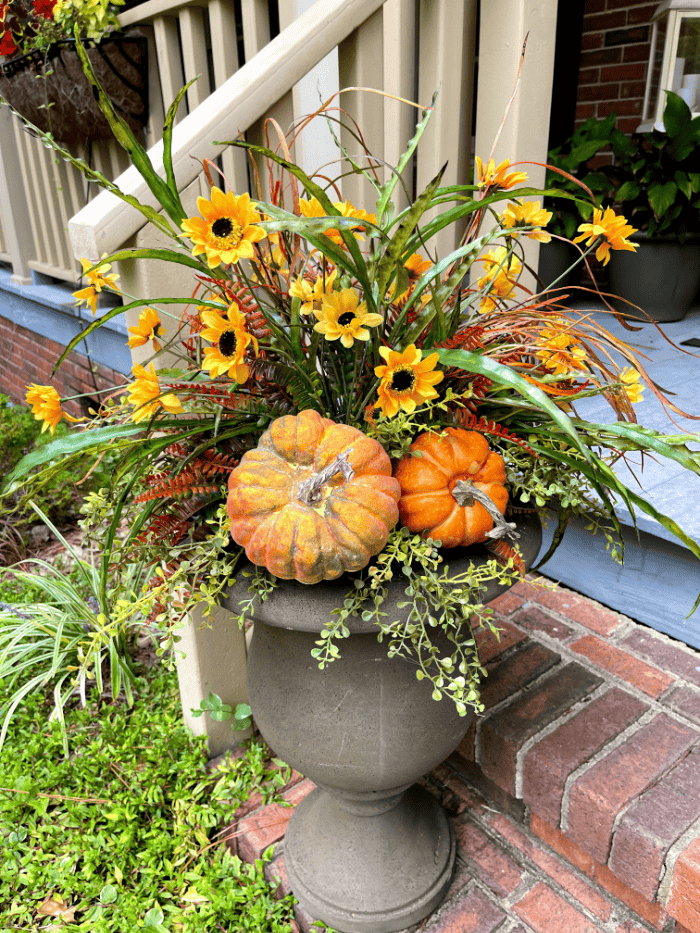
x,y
125,834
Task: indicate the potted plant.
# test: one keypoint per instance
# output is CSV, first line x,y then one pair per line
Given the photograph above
x,y
41,77
656,182
568,171
344,445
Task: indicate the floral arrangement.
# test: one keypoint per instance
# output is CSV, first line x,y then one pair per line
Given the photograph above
x,y
41,23
359,402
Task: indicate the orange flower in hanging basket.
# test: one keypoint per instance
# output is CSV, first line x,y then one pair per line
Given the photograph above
x,y
314,499
436,498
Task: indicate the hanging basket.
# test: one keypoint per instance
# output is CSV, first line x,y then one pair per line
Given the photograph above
x,y
48,88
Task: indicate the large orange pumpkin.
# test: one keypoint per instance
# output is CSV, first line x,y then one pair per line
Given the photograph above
x,y
313,500
429,501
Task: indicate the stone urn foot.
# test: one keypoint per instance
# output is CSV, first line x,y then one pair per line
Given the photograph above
x,y
372,862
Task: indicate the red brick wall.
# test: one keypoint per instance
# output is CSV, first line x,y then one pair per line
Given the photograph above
x,y
29,358
614,59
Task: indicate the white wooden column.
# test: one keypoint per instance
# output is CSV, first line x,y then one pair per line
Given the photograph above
x,y
446,56
504,25
19,235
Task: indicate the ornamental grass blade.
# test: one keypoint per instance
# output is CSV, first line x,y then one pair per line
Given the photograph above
x,y
388,189
636,437
168,198
168,136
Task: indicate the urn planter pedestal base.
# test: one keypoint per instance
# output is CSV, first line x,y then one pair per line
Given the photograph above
x,y
392,855
366,852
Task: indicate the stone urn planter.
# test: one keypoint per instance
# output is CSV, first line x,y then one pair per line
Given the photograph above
x,y
51,91
367,851
662,277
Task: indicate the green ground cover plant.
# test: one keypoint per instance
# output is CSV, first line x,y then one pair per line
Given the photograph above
x,y
125,833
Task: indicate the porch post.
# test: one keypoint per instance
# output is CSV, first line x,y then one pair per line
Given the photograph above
x,y
15,214
504,26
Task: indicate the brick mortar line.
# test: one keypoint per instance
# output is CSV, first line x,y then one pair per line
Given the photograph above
x,y
504,704
614,679
603,753
669,865
619,910
525,748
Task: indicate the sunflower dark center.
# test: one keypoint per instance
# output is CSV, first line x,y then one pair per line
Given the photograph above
x,y
222,227
346,318
228,342
403,380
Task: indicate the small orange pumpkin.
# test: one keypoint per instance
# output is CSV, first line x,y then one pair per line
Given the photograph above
x,y
314,499
429,501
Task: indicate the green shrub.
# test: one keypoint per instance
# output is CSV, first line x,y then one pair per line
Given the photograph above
x,y
124,834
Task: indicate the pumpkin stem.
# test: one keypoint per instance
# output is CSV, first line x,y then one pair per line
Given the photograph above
x,y
465,493
310,490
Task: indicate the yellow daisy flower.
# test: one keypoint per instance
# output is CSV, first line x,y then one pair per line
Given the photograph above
x,y
529,214
148,328
230,338
145,395
559,351
631,385
342,318
226,230
312,295
406,381
498,176
97,281
46,406
609,231
415,265
313,208
501,271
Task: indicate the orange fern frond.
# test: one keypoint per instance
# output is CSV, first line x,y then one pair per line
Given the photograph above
x,y
465,419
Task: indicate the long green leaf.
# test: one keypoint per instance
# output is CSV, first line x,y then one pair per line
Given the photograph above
x,y
397,247
170,179
166,197
74,443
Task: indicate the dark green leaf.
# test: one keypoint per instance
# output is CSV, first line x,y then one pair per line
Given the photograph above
x,y
661,197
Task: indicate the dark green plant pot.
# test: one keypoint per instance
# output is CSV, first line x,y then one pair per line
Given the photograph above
x,y
366,852
554,267
662,277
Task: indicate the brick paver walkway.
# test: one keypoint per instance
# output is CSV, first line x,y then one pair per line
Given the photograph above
x,y
575,799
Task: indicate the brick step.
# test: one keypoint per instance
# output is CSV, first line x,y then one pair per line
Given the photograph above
x,y
575,798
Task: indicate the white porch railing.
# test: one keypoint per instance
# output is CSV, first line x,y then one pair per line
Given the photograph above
x,y
367,35
378,45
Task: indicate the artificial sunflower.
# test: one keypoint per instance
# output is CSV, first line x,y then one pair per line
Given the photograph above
x,y
609,231
97,280
406,381
630,383
231,338
559,351
529,214
415,265
148,328
313,208
312,295
46,406
498,176
342,317
226,230
145,395
501,272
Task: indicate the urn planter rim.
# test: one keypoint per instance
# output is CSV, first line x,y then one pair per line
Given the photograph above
x,y
308,608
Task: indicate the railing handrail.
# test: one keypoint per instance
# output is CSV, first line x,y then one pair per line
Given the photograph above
x,y
104,224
